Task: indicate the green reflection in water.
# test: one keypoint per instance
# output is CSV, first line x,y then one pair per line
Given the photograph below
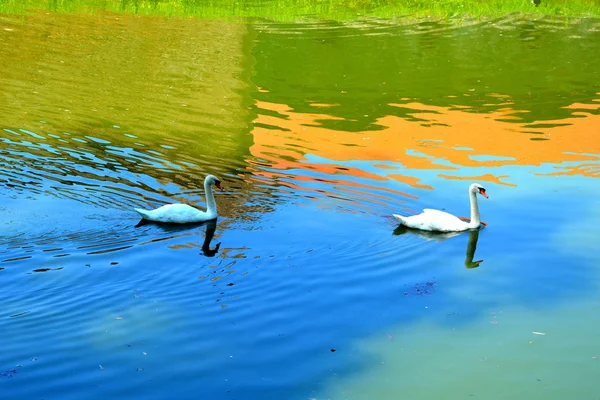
x,y
416,94
167,98
535,68
498,356
336,9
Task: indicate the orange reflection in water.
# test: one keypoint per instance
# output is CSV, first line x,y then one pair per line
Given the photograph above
x,y
434,133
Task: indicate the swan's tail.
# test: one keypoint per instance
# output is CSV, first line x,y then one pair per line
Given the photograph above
x,y
400,218
144,213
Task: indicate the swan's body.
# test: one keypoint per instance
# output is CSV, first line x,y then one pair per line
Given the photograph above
x,y
183,213
440,221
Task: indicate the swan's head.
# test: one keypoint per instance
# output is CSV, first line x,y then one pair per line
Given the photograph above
x,y
477,188
213,180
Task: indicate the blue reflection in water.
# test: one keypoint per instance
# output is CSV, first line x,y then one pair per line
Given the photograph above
x,y
143,309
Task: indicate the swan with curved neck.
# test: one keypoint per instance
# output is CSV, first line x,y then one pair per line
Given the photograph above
x,y
440,221
183,213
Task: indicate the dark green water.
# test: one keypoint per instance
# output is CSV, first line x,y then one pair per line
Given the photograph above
x,y
319,131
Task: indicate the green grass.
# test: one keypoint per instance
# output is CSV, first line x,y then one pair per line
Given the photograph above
x,y
327,9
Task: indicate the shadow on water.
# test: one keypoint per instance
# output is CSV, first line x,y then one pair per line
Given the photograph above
x,y
440,236
211,227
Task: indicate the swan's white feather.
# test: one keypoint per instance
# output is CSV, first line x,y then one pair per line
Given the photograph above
x,y
433,220
176,214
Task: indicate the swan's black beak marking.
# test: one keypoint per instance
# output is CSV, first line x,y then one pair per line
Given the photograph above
x,y
483,193
218,185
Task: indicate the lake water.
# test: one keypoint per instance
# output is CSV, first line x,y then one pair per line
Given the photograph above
x,y
319,131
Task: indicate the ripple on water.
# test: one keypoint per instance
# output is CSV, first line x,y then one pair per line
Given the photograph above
x,y
309,260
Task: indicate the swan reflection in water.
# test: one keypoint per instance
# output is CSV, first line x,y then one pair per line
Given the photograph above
x,y
211,227
439,236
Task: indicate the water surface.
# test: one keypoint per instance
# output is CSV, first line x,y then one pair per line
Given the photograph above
x,y
319,131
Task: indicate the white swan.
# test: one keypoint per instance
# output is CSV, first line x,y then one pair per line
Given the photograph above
x,y
183,213
440,221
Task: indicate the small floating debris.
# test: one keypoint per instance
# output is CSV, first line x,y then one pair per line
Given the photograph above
x,y
19,314
9,373
538,333
421,288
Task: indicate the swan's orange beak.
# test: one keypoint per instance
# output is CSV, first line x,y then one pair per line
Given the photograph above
x,y
483,193
218,185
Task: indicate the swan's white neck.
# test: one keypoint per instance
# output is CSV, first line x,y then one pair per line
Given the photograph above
x,y
211,205
475,218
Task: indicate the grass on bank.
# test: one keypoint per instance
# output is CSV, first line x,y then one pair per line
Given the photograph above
x,y
328,9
